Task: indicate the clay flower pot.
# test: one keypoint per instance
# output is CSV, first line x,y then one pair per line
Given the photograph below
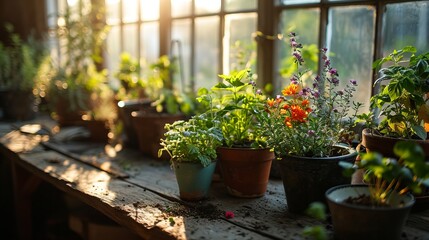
x,y
245,171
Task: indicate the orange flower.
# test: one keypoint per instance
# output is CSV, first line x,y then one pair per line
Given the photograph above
x,y
298,114
292,89
305,102
270,102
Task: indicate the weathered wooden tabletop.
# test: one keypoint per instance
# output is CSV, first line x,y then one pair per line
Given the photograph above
x,y
142,194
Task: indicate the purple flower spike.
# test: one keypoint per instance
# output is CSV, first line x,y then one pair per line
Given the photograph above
x,y
311,132
259,92
353,82
333,71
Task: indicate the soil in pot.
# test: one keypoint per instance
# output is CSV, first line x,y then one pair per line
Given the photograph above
x,y
351,221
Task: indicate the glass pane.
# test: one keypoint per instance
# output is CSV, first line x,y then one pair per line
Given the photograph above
x,y
346,0
181,34
305,23
130,11
112,55
150,43
206,51
129,39
291,2
149,9
51,13
112,11
239,47
350,38
181,8
207,6
237,5
406,24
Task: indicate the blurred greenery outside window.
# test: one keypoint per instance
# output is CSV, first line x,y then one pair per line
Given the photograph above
x,y
217,36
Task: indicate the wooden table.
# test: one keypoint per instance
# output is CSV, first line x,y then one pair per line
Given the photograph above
x,y
141,194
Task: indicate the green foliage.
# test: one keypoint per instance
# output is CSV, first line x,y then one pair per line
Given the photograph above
x,y
388,177
402,101
77,76
194,140
128,74
20,61
234,102
316,210
160,89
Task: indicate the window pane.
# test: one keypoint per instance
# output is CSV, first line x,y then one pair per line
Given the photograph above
x,y
290,2
350,38
181,8
112,12
207,6
239,47
406,24
130,11
206,51
149,9
130,39
113,52
237,5
150,42
181,32
305,23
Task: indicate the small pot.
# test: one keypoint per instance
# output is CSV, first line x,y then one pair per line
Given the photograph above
x,y
245,171
193,179
352,221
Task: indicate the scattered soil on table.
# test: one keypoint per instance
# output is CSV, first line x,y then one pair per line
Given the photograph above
x,y
203,210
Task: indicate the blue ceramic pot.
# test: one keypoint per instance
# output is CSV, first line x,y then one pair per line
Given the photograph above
x,y
193,179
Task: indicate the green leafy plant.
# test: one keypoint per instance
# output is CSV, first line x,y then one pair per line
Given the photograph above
x,y
78,77
160,89
388,177
234,103
128,74
402,102
20,61
194,140
310,121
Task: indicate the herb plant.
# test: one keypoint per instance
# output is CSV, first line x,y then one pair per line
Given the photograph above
x,y
234,103
194,140
388,177
402,102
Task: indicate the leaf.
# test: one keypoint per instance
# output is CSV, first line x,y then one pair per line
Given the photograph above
x,y
420,131
409,150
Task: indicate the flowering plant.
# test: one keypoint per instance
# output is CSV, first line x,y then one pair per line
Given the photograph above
x,y
310,121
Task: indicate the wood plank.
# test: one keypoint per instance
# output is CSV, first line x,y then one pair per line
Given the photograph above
x,y
128,204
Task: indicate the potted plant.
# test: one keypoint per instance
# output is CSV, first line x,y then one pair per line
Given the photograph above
x,y
191,146
402,106
78,91
131,96
401,103
20,62
310,130
244,158
379,209
167,106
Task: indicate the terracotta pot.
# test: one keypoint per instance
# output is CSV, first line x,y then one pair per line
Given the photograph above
x,y
193,179
125,108
306,179
18,105
245,172
150,129
384,145
358,222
